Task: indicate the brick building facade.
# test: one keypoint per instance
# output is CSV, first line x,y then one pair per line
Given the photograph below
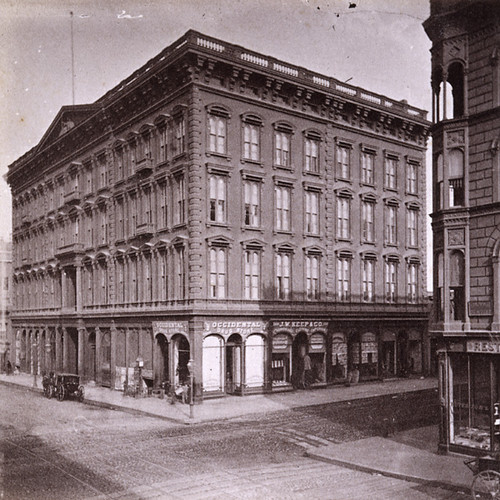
x,y
466,220
227,207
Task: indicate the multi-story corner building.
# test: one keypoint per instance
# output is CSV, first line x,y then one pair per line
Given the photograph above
x,y
223,206
465,39
5,305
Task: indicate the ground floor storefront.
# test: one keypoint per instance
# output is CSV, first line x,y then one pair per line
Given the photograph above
x,y
469,388
225,355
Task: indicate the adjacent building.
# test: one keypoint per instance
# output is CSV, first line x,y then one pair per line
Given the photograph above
x,y
465,326
5,305
223,206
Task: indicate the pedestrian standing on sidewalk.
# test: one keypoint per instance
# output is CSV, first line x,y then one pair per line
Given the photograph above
x,y
307,370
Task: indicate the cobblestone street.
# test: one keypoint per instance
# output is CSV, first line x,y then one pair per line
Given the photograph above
x,y
69,450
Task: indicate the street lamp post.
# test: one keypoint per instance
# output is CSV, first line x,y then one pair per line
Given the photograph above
x,y
190,367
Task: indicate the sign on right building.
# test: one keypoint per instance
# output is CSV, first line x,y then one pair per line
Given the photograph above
x,y
465,326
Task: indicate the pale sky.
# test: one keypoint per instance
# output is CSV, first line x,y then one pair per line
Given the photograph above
x,y
379,45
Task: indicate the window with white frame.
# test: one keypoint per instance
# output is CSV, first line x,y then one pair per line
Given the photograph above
x,y
412,177
368,220
368,167
283,207
343,161
218,273
368,277
252,202
412,281
312,276
391,216
252,274
251,138
217,198
179,200
311,150
312,211
282,140
391,280
343,216
344,277
391,171
412,226
283,275
217,126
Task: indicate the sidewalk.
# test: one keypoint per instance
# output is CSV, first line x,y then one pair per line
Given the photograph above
x,y
232,406
416,460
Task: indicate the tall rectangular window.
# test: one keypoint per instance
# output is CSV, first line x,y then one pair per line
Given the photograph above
x,y
181,273
217,185
343,162
391,224
412,231
119,164
134,282
132,210
252,203
163,263
312,277
180,200
343,279
103,234
218,273
163,208
180,135
312,212
282,148
368,271
368,221
411,178
120,219
391,280
312,154
251,141
147,207
217,134
282,194
343,218
252,274
391,169
148,278
283,276
101,172
412,282
163,144
367,167
120,279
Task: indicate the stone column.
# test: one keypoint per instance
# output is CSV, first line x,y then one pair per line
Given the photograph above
x,y
98,373
81,356
65,349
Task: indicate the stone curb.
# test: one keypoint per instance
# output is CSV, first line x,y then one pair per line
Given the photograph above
x,y
396,475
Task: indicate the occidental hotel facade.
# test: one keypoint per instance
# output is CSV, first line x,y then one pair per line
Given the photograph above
x,y
227,207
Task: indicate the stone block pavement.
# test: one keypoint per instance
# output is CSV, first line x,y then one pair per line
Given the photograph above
x,y
411,455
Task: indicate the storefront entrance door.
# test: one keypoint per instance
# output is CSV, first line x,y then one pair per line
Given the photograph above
x,y
299,350
234,365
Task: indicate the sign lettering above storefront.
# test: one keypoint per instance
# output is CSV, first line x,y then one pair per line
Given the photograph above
x,y
484,346
228,327
170,327
300,325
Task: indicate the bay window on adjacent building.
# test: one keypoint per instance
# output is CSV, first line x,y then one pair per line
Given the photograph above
x,y
312,141
217,198
251,137
368,277
282,195
391,278
312,198
344,276
251,202
282,143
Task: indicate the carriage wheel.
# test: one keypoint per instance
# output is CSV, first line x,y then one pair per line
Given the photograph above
x,y
61,393
50,391
486,485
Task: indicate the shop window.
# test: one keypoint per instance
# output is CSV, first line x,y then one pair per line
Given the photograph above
x,y
254,361
317,354
339,357
213,359
281,360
